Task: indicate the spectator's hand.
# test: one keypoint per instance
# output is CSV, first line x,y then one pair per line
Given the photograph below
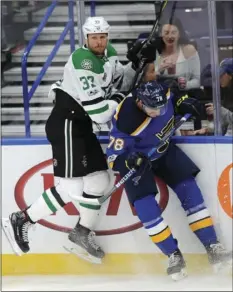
x,y
209,109
186,132
166,64
182,82
202,131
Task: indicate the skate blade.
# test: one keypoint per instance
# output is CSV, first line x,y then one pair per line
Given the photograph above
x,y
8,230
224,268
83,254
179,276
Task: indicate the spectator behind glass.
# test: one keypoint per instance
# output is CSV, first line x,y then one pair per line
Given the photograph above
x,y
178,57
226,82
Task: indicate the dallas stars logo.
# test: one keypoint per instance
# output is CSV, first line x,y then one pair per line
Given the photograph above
x,y
86,64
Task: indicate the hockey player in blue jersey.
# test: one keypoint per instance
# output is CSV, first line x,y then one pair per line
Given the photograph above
x,y
139,123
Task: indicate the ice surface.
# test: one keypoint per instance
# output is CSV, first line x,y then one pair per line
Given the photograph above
x,y
115,283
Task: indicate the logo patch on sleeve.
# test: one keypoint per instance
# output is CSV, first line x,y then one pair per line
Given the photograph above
x,y
87,64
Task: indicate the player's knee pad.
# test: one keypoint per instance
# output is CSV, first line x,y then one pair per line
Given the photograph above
x,y
189,194
94,186
69,188
96,183
147,208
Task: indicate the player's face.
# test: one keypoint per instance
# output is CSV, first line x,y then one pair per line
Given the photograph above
x,y
225,80
97,42
150,74
152,112
170,35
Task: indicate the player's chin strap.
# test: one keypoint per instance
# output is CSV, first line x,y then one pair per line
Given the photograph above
x,y
128,175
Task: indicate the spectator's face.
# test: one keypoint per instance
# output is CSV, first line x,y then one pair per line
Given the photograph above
x,y
225,80
97,42
170,35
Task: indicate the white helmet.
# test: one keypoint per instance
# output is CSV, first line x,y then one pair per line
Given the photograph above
x,y
95,25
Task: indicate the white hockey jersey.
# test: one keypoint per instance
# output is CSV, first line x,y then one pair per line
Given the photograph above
x,y
91,80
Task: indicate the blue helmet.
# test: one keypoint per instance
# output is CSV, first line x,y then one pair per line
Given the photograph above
x,y
153,95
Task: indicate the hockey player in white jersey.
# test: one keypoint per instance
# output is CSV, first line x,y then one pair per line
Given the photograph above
x,y
87,93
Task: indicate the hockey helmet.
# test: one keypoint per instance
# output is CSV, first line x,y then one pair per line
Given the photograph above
x,y
95,25
153,95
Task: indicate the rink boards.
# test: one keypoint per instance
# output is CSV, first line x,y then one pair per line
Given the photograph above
x,y
27,172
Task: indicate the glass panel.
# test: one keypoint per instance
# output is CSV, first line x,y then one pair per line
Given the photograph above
x,y
187,67
185,54
225,53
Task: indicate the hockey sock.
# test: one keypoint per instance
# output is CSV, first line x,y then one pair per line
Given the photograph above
x,y
48,203
149,213
199,218
88,212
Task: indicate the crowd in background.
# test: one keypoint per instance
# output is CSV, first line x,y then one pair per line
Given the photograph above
x,y
178,63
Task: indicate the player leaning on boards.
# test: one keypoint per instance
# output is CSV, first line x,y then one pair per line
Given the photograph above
x,y
84,95
151,110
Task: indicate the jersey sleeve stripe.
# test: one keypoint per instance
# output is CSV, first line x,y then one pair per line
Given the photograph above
x,y
118,82
141,127
98,110
118,110
168,93
92,101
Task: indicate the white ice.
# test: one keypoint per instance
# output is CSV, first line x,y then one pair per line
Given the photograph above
x,y
115,283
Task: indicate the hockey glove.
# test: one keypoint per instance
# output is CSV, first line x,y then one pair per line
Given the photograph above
x,y
139,161
189,105
138,52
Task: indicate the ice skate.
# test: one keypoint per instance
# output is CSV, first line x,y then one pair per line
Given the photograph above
x,y
219,258
84,245
176,266
16,230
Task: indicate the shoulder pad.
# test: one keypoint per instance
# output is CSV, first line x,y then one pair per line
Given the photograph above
x,y
111,52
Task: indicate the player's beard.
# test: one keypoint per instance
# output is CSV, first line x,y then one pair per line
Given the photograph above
x,y
99,51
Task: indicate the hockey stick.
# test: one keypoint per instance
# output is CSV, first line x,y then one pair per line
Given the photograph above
x,y
101,200
148,41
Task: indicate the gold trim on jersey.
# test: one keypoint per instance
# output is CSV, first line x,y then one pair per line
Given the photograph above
x,y
168,94
118,109
141,127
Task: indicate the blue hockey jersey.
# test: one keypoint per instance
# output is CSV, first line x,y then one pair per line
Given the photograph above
x,y
133,130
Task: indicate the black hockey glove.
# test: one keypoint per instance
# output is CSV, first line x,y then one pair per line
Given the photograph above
x,y
138,161
117,97
138,52
189,105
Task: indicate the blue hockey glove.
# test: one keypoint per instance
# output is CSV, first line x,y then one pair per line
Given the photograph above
x,y
137,52
139,161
